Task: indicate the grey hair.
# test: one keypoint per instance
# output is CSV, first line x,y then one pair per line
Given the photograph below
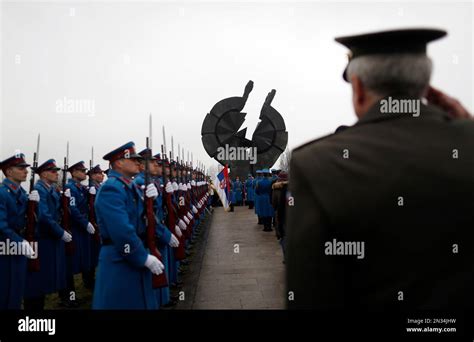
x,y
407,74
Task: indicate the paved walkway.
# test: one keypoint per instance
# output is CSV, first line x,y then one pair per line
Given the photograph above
x,y
221,278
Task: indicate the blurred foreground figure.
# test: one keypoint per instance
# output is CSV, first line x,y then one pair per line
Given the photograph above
x,y
382,215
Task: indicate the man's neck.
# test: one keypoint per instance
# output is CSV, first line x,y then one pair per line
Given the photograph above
x,y
14,181
46,182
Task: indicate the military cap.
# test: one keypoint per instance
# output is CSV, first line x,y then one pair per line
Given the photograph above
x,y
78,166
126,151
158,159
389,42
95,169
17,160
48,165
146,153
265,171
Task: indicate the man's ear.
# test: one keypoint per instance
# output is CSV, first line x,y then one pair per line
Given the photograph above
x,y
358,91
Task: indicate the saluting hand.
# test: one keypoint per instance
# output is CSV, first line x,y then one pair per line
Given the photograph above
x,y
447,103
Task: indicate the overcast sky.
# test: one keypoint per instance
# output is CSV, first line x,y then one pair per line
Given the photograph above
x,y
176,60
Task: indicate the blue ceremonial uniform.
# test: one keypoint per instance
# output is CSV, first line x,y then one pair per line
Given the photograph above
x,y
52,275
162,233
13,204
256,195
237,190
263,189
123,282
81,260
95,245
249,190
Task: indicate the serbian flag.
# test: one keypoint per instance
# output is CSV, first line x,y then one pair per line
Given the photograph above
x,y
223,187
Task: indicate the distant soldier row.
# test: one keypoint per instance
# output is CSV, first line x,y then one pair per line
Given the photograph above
x,y
56,232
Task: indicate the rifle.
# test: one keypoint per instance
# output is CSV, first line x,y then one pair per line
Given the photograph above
x,y
180,251
31,218
91,200
158,281
66,215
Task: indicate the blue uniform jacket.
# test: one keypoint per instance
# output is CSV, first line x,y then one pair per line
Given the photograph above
x,y
52,275
249,189
123,282
79,207
13,204
263,190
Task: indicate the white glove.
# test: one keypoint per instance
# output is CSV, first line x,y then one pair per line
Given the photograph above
x,y
189,215
199,205
193,182
186,220
194,209
174,241
182,225
177,231
169,188
175,186
180,186
154,265
67,193
27,249
90,228
188,186
34,196
66,237
92,190
151,191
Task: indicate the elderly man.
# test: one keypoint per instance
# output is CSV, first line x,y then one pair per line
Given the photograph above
x,y
382,214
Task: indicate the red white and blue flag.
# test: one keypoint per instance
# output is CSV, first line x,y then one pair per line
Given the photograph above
x,y
223,186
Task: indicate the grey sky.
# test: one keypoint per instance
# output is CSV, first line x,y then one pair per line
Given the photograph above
x,y
177,60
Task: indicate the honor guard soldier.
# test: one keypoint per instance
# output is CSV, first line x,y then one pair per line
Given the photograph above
x,y
51,240
163,235
13,207
82,229
382,207
265,210
125,265
237,189
258,178
249,191
96,177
